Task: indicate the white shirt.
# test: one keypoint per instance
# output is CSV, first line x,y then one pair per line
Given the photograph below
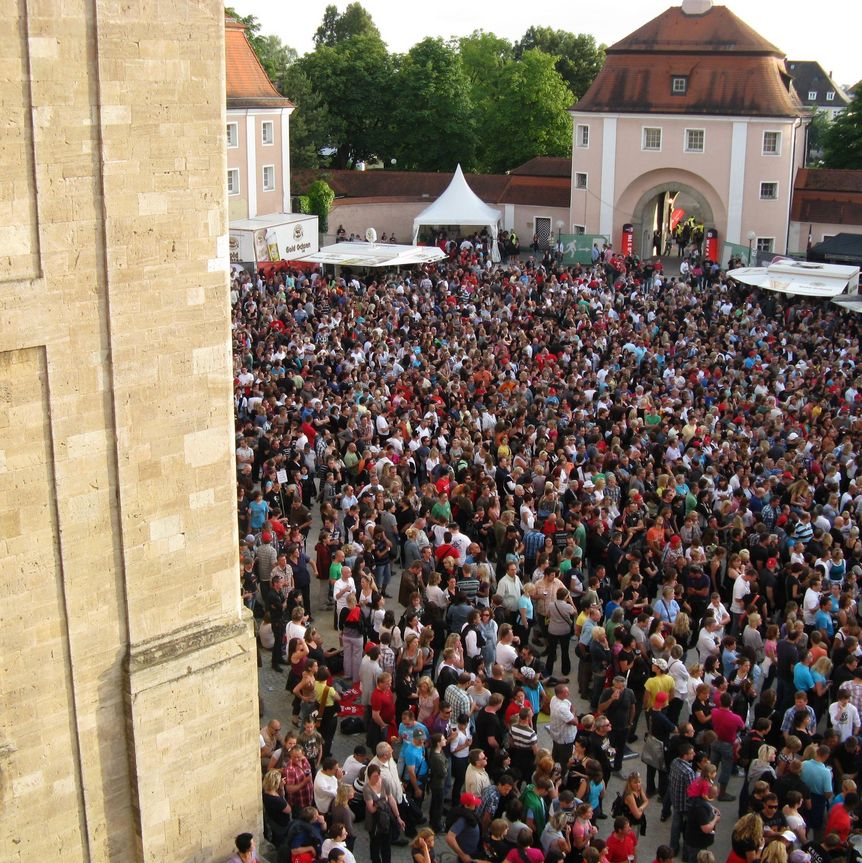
x,y
810,606
707,644
845,720
561,716
325,787
741,589
341,591
677,670
506,655
329,844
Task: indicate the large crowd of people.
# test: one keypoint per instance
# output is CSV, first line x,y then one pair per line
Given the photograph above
x,y
594,499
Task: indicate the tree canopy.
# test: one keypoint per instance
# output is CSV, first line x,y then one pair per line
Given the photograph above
x,y
842,143
478,100
578,58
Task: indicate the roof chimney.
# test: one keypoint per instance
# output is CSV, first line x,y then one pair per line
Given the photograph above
x,y
696,7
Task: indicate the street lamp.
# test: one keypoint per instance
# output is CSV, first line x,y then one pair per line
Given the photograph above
x,y
751,238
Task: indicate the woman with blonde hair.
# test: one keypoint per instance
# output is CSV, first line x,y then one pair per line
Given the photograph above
x,y
341,813
746,839
681,631
275,807
817,697
635,802
428,701
774,852
763,767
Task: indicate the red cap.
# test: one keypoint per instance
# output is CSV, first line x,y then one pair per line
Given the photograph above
x,y
772,561
369,645
660,700
470,799
266,536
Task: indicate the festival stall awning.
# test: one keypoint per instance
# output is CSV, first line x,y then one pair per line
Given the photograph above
x,y
802,278
390,255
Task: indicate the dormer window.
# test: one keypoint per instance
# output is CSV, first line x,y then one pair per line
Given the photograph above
x,y
679,85
812,95
830,96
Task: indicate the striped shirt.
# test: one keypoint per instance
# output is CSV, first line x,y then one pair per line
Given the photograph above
x,y
522,736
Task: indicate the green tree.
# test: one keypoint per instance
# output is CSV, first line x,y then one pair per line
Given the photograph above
x,y
311,124
320,198
441,134
816,134
842,145
579,58
354,81
338,27
529,118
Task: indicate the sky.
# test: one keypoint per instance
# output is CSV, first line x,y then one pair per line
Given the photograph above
x,y
826,31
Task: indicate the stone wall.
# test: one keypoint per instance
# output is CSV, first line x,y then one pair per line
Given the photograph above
x,y
128,706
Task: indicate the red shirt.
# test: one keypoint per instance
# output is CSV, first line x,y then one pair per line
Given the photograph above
x,y
384,703
620,849
726,724
838,822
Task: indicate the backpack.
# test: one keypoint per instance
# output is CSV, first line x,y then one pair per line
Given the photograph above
x,y
352,725
618,807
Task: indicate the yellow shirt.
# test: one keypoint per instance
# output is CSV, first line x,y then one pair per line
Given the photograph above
x,y
661,683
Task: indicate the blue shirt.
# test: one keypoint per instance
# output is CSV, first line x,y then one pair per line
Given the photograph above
x,y
526,602
823,620
803,679
817,776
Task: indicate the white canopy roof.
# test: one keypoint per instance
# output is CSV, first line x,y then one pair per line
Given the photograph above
x,y
458,205
804,278
390,255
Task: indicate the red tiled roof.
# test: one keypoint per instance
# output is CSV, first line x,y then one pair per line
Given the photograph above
x,y
427,186
731,70
545,166
248,85
827,195
828,179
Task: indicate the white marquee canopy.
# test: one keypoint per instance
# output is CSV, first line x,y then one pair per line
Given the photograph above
x,y
389,255
459,205
801,278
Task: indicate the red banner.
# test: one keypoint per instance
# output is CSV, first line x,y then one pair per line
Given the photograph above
x,y
627,243
710,250
676,217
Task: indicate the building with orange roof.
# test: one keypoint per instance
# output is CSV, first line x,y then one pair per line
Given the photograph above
x,y
693,112
258,133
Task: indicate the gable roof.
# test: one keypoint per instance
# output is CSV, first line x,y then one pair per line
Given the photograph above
x,y
827,195
545,166
247,84
407,186
729,69
810,77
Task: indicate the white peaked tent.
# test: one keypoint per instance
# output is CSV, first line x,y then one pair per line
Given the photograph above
x,y
460,205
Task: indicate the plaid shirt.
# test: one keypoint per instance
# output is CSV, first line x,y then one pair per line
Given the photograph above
x,y
459,700
680,777
787,722
294,774
490,802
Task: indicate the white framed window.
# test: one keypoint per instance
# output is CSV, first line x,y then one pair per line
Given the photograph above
x,y
765,244
582,137
579,230
679,85
769,191
694,140
580,180
771,143
830,96
233,181
812,95
232,136
651,138
269,178
267,133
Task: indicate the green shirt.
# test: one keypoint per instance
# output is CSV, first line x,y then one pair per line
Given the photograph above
x,y
335,570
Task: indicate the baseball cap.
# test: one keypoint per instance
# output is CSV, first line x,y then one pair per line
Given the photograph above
x,y
369,645
266,536
660,699
249,537
470,800
658,662
772,561
789,835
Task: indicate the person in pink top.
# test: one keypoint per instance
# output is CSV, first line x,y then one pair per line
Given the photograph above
x,y
726,724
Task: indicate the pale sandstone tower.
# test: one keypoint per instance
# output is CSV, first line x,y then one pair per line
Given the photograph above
x,y
128,706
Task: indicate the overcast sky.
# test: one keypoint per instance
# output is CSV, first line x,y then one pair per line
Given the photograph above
x,y
827,31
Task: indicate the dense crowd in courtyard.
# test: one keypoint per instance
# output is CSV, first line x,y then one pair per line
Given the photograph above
x,y
552,511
